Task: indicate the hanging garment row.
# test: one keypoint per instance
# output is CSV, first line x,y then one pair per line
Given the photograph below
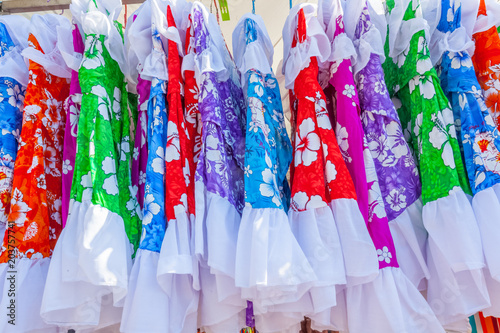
x,y
148,182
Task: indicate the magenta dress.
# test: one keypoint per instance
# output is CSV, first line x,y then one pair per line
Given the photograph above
x,y
72,107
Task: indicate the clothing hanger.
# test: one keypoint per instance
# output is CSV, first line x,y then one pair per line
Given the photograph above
x,y
253,7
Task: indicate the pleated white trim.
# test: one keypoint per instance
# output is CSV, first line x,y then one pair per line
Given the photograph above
x,y
486,206
215,234
456,287
360,255
410,240
87,279
271,268
146,306
178,273
390,303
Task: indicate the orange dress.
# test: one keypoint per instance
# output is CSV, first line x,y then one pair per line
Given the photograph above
x,y
34,221
486,61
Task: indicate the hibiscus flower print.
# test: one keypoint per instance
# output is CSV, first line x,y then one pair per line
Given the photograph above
x,y
51,162
460,59
378,147
322,116
214,156
425,84
18,208
151,208
440,138
342,139
307,143
269,187
424,63
86,183
32,78
94,59
73,120
40,182
158,163
330,171
172,152
301,202
16,97
142,177
396,200
487,153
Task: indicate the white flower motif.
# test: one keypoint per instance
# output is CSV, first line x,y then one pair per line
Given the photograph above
x,y
460,59
331,171
396,200
67,167
269,187
136,153
322,116
16,99
349,91
248,171
32,77
86,183
401,58
214,155
151,208
384,255
307,143
40,182
109,165
173,144
142,177
342,139
186,172
439,136
158,163
111,185
124,148
18,208
301,202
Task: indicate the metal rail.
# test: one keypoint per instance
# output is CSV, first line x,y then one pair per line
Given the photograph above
x,y
22,6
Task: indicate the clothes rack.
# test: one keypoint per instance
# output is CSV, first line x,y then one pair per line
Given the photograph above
x,y
21,6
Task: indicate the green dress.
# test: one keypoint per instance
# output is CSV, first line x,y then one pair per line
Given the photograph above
x,y
103,161
89,271
454,248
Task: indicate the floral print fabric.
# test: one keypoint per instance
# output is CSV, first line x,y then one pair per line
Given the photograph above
x,y
102,165
268,149
318,173
425,115
486,61
72,106
140,154
221,105
154,218
11,116
358,158
179,151
479,138
396,169
35,212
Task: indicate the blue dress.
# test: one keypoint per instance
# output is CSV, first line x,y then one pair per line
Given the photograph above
x,y
11,117
154,218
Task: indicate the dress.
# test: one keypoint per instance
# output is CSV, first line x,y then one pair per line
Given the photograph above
x,y
105,214
480,143
35,213
394,164
13,88
72,106
138,44
456,258
486,60
219,182
178,267
271,267
145,296
391,288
